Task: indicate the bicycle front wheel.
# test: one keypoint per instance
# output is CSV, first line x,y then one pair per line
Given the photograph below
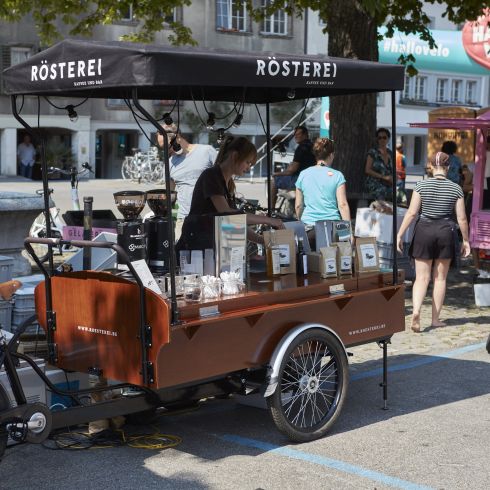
x,y
38,230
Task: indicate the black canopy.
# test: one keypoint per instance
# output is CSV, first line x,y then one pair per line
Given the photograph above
x,y
111,69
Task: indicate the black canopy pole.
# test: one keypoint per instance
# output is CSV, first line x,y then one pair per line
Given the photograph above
x,y
168,198
268,159
50,319
394,187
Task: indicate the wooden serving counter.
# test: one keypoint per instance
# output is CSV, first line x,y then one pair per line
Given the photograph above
x,y
264,291
98,323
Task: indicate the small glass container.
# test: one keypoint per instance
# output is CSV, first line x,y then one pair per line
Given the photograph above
x,y
232,286
192,292
211,289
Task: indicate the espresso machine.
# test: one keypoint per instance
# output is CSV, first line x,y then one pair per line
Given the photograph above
x,y
158,242
131,234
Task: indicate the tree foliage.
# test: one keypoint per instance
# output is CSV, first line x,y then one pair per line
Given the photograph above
x,y
82,16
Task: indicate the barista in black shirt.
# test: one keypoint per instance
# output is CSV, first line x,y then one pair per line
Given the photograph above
x,y
215,189
303,158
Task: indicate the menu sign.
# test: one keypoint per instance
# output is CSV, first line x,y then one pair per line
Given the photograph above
x,y
476,39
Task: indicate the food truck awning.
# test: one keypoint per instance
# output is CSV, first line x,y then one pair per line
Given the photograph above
x,y
112,69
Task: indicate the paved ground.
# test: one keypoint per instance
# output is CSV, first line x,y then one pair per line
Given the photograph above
x,y
435,434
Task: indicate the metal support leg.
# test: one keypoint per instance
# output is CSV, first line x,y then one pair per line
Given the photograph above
x,y
384,384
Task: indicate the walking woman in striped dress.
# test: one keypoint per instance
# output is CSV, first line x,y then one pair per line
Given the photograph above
x,y
435,240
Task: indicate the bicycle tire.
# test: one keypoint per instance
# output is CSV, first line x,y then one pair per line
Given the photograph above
x,y
4,405
313,385
126,168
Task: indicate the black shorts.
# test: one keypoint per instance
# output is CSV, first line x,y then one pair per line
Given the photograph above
x,y
434,239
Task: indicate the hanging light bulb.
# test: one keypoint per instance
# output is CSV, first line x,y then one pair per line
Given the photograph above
x,y
72,113
221,136
291,93
238,120
211,121
167,119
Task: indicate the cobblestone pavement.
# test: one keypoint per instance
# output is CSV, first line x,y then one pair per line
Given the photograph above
x,y
466,323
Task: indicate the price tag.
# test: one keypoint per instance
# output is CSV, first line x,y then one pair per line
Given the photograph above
x,y
206,311
337,289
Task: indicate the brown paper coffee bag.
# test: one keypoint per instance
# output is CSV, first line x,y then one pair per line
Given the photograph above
x,y
367,258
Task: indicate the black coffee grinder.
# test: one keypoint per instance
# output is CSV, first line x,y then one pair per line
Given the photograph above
x,y
158,244
131,234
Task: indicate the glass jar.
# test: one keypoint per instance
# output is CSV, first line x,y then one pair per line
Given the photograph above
x,y
192,292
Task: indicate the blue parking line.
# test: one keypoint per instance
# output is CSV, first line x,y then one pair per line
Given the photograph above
x,y
323,461
418,362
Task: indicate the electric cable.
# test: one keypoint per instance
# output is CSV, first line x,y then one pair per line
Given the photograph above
x,y
136,116
64,108
108,438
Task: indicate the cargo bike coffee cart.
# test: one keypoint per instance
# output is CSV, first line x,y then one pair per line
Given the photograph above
x,y
284,338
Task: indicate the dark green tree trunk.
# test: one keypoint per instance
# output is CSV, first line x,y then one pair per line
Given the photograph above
x,y
352,34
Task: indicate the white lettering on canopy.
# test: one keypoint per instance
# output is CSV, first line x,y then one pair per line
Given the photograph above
x,y
74,69
306,69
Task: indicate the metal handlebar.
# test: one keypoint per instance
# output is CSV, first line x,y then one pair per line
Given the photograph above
x,y
56,242
73,171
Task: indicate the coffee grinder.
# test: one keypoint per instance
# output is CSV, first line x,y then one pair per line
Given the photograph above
x,y
131,234
158,245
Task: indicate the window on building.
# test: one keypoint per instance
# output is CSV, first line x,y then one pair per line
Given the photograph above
x,y
19,54
407,89
275,24
456,89
420,88
175,16
441,90
470,92
127,13
231,15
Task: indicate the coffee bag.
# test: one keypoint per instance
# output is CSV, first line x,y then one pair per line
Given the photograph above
x,y
367,258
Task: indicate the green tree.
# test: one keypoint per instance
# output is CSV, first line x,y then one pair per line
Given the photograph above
x,y
83,15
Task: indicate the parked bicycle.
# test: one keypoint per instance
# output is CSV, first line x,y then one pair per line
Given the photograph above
x,y
143,167
38,228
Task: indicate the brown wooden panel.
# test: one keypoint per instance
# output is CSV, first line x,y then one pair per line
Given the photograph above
x,y
234,341
97,320
98,324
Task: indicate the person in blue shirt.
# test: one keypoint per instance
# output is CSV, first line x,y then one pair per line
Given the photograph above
x,y
320,190
455,171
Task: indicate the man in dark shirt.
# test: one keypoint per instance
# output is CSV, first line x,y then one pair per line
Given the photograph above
x,y
303,158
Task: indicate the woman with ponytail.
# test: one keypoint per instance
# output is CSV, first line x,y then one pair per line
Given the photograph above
x,y
214,192
435,240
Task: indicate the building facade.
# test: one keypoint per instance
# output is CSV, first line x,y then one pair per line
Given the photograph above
x,y
105,131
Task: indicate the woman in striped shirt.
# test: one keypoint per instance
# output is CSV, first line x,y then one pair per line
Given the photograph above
x,y
434,202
